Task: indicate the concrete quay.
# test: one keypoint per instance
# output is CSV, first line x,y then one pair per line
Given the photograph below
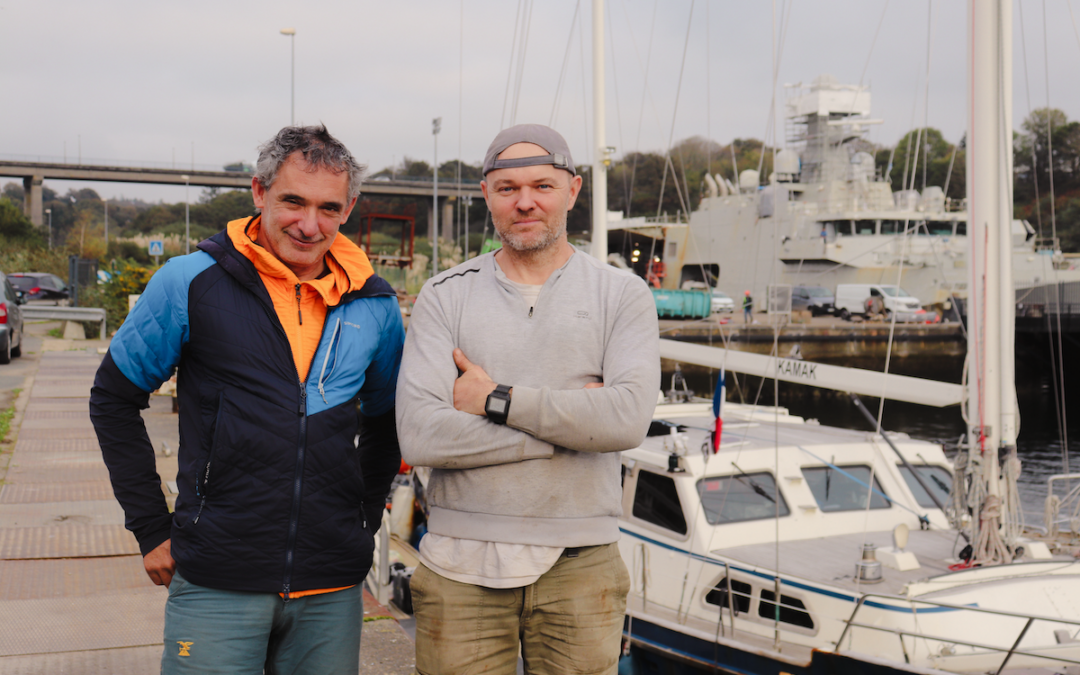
x,y
74,598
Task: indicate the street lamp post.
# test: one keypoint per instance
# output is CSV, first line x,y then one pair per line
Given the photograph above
x,y
187,221
436,126
467,201
48,212
106,203
291,32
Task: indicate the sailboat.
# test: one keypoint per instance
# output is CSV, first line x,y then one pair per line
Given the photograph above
x,y
760,542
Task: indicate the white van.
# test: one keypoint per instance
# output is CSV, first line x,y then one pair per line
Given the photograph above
x,y
859,298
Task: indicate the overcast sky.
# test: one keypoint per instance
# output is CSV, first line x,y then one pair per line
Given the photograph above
x,y
146,82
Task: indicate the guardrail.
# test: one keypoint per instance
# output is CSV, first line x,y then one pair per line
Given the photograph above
x,y
1040,652
45,313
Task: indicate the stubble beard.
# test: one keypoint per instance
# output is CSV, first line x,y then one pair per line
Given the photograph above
x,y
553,230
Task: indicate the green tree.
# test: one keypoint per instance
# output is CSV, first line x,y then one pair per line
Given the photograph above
x,y
925,165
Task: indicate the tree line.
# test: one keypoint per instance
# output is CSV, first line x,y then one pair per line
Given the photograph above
x,y
1047,146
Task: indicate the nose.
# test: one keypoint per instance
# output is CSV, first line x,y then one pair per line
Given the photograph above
x,y
308,222
526,200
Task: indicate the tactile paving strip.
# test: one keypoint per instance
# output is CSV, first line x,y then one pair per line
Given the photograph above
x,y
68,472
69,578
133,618
61,514
96,662
57,405
81,422
26,543
56,415
39,493
28,445
56,434
81,390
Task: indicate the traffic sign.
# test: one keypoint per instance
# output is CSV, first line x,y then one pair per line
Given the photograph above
x,y
157,247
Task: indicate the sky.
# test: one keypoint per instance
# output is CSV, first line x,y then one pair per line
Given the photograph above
x,y
172,84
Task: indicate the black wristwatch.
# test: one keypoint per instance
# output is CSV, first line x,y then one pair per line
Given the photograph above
x,y
497,406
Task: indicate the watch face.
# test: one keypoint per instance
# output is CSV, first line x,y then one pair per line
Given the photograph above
x,y
497,406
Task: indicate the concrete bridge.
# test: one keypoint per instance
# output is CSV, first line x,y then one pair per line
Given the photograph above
x,y
33,174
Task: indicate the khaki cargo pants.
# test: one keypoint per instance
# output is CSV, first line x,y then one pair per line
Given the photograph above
x,y
569,621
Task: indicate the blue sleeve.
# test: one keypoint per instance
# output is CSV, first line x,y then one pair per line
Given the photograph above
x,y
380,381
147,347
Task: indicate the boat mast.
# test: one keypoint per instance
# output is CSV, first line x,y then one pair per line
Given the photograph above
x,y
992,413
601,153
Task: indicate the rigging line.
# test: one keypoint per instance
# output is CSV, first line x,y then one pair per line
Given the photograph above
x,y
525,30
708,92
1053,226
892,327
675,114
1027,94
866,66
510,67
926,94
644,95
461,89
1073,17
585,106
562,71
615,83
1049,129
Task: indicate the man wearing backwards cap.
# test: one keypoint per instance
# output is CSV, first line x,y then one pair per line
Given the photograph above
x,y
525,372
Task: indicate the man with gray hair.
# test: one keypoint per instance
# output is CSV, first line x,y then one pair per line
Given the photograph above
x,y
525,372
277,328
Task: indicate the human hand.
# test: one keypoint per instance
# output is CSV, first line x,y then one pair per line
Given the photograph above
x,y
159,564
594,385
472,387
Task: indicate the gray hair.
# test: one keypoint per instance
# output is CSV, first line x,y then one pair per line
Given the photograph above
x,y
320,150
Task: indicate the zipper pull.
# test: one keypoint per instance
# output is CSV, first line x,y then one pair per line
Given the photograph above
x,y
530,312
303,399
286,593
299,316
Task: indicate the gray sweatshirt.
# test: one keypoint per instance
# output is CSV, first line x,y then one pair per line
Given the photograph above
x,y
550,476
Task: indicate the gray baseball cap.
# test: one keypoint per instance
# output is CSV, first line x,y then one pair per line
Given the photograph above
x,y
537,134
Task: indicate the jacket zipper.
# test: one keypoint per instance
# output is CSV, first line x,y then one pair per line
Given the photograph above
x,y
299,316
209,460
298,482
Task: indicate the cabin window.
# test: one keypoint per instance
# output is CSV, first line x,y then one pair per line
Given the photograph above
x,y
891,227
740,595
865,226
939,228
656,501
792,610
961,228
747,496
843,488
937,478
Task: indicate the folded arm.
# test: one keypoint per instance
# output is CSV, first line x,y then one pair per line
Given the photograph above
x,y
431,431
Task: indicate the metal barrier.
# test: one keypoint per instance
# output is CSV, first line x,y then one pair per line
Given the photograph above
x,y
1008,653
46,313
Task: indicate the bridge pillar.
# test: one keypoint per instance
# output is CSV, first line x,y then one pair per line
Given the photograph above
x,y
32,205
446,220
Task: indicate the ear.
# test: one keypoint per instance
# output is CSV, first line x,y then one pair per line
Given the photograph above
x,y
484,189
575,190
258,193
348,210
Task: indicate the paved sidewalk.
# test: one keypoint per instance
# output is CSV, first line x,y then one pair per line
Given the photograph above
x,y
74,598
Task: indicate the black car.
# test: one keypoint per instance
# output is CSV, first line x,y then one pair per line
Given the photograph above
x,y
817,299
40,286
11,321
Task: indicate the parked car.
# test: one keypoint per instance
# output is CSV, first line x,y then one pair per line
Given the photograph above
x,y
722,302
816,299
11,321
40,286
867,299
